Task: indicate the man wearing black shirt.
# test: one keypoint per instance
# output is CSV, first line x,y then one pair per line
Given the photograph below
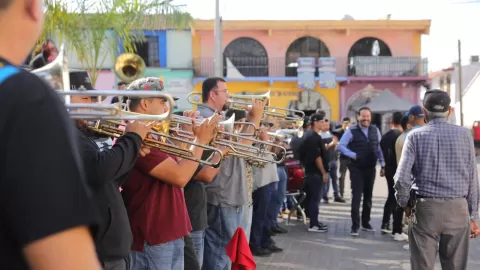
x,y
313,158
45,206
106,170
342,158
387,143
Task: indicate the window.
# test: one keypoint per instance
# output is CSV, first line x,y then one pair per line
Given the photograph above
x,y
149,51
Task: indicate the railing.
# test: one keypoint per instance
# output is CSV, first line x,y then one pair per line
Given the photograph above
x,y
361,66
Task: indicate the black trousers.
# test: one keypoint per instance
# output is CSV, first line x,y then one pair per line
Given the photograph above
x,y
314,183
362,180
343,171
391,203
397,220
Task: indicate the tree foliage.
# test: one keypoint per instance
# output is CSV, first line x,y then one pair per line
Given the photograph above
x,y
85,25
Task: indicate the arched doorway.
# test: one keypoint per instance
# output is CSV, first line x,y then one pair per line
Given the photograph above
x,y
245,56
309,102
360,98
303,47
366,47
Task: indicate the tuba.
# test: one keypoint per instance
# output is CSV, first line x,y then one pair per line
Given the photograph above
x,y
57,75
129,67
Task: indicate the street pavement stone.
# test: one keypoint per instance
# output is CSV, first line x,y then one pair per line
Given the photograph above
x,y
337,250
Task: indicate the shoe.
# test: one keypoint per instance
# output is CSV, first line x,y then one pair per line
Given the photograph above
x,y
278,229
340,200
261,252
368,228
406,247
354,232
320,229
386,229
271,233
275,249
400,237
325,200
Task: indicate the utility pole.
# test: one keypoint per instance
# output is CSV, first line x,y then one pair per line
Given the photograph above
x,y
460,85
218,55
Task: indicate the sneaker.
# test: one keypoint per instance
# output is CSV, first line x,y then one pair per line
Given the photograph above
x,y
354,232
368,228
260,252
340,200
274,249
320,229
400,237
325,200
278,229
386,229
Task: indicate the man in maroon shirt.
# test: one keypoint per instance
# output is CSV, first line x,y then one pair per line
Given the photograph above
x,y
153,192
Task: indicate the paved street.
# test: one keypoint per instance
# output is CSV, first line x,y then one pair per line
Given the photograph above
x,y
337,250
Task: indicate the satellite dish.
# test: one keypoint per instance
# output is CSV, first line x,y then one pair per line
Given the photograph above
x,y
348,18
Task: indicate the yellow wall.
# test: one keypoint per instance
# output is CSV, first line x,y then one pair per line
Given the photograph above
x,y
282,93
417,44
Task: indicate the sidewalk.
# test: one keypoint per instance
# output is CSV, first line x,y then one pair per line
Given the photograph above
x,y
337,250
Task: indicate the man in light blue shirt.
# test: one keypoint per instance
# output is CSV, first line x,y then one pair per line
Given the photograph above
x,y
416,118
361,143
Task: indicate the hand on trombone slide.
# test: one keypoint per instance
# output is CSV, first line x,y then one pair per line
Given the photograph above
x,y
206,131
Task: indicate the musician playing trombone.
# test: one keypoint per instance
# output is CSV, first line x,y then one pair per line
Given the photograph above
x,y
227,194
153,191
44,203
106,170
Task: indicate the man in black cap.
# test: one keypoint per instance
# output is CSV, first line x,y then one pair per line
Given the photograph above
x,y
313,157
106,169
439,160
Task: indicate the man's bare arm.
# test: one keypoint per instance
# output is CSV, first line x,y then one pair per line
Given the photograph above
x,y
72,249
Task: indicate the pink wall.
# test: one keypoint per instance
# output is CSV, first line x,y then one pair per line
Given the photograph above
x,y
405,90
105,80
401,43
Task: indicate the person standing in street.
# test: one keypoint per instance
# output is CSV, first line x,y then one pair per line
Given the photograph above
x,y
313,157
331,142
343,160
361,143
388,148
440,156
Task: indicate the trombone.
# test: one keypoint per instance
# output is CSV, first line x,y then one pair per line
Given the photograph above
x,y
228,138
240,102
57,75
160,131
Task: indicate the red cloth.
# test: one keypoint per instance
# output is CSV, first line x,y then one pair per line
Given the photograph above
x,y
239,252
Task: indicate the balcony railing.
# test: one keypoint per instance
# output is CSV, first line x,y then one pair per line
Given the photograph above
x,y
361,66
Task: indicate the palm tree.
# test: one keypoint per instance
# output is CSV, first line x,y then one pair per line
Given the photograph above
x,y
92,27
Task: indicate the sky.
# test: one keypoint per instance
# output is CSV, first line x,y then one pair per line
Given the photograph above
x,y
451,19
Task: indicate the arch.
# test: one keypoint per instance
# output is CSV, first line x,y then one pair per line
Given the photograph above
x,y
364,47
359,98
306,46
247,56
311,101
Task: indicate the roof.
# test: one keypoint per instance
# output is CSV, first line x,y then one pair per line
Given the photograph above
x,y
422,26
387,102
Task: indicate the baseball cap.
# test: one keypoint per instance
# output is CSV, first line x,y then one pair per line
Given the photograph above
x,y
436,101
316,117
80,80
415,110
146,84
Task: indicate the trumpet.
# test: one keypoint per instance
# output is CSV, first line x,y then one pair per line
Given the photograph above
x,y
240,102
57,75
160,131
227,125
258,153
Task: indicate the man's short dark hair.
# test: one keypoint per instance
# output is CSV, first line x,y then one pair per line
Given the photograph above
x,y
121,83
208,85
4,4
404,122
397,118
363,109
346,119
321,112
133,103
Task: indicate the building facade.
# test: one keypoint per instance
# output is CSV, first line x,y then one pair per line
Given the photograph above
x,y
368,57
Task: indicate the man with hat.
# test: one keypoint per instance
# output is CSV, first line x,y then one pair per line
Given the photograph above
x,y
106,169
416,117
439,160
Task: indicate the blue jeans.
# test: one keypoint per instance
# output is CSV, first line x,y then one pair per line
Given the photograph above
x,y
262,199
278,196
223,221
332,171
198,239
247,220
167,256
